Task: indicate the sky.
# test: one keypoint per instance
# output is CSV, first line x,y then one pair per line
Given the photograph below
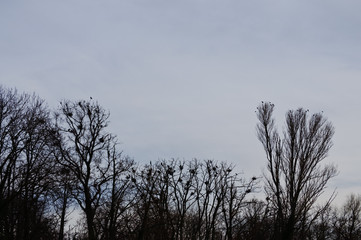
x,y
182,78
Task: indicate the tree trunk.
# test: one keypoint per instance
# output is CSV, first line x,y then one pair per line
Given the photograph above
x,y
63,213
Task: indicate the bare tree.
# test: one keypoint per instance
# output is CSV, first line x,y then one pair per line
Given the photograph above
x,y
348,220
254,222
296,177
219,198
25,165
35,168
234,191
324,226
62,195
11,138
85,154
151,203
118,199
182,193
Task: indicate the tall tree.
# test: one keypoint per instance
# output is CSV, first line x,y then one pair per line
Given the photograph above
x,y
85,154
35,168
11,138
25,165
294,162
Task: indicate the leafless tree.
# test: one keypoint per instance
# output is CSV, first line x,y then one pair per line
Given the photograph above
x,y
348,219
183,194
83,125
119,198
35,167
220,195
25,165
295,176
51,163
234,192
323,228
62,196
152,201
12,124
189,199
253,223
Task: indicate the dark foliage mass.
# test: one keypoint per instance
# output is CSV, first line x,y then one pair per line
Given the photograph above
x,y
62,176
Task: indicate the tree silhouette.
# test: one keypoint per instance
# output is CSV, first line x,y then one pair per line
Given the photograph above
x,y
50,163
85,154
26,166
348,223
296,177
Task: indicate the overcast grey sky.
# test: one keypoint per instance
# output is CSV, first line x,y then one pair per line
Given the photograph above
x,y
183,78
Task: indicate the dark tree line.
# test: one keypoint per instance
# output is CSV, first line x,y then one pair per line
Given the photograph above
x,y
62,176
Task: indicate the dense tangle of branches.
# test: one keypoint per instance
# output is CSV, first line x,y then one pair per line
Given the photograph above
x,y
62,176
